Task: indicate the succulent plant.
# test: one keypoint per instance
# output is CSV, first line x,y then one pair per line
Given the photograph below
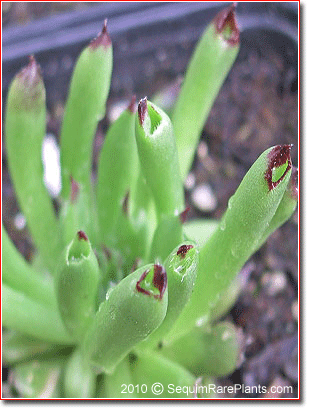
x,y
123,295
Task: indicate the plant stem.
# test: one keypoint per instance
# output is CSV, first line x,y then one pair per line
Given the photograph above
x,y
159,159
212,60
117,170
85,107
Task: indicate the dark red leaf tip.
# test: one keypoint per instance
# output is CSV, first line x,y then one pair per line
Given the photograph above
x,y
227,19
159,282
278,156
183,249
142,110
32,60
82,236
132,105
31,74
75,189
138,287
183,215
103,39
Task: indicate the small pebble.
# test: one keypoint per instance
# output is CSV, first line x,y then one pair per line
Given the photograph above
x,y
202,150
190,181
203,198
274,283
51,164
19,221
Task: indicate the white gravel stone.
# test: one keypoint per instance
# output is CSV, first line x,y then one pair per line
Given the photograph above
x,y
190,181
274,282
19,221
203,198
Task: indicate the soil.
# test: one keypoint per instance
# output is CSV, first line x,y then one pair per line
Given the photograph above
x,y
256,108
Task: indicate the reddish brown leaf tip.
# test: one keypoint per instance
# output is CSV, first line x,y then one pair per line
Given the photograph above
x,y
160,280
75,189
32,60
294,183
103,39
31,74
227,19
183,249
132,106
82,236
138,287
278,156
183,215
142,110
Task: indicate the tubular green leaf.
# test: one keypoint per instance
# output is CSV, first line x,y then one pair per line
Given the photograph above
x,y
26,316
159,158
77,285
142,212
200,230
158,372
168,234
212,60
118,165
25,123
133,309
85,107
214,351
19,275
79,379
249,212
230,295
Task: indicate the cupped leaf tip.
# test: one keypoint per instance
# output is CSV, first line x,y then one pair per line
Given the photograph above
x,y
158,283
142,110
279,163
183,249
79,248
226,24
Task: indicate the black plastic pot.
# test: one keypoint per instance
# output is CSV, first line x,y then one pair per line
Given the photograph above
x,y
149,38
